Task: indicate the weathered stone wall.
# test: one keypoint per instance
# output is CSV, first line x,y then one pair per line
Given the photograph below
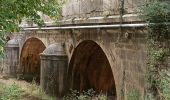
x,y
125,49
54,70
131,6
94,8
47,37
87,8
126,53
94,11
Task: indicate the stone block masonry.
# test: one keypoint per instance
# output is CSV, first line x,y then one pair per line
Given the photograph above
x,y
124,51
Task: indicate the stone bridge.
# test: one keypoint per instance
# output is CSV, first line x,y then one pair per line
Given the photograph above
x,y
85,52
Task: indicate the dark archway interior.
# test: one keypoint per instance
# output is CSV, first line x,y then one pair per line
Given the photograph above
x,y
30,59
90,69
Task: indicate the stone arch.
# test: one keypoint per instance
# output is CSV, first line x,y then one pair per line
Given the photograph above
x,y
89,68
30,58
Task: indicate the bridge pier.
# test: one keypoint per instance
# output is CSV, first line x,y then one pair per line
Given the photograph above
x,y
12,57
54,70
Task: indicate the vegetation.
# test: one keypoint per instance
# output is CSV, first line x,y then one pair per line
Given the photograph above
x,y
85,95
157,14
12,92
15,92
12,12
133,95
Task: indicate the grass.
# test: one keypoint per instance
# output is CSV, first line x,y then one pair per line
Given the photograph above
x,y
1,89
13,89
15,92
12,92
33,92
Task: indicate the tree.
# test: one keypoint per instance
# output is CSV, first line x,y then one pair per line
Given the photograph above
x,y
12,13
157,14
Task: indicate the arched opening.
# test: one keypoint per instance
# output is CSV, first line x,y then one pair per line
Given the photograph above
x,y
89,68
30,59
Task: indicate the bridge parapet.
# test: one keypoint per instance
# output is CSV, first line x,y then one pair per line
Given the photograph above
x,y
95,12
85,9
93,8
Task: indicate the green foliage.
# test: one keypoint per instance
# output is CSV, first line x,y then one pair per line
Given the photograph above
x,y
12,92
12,12
155,11
85,95
157,14
75,95
102,97
157,55
133,94
165,86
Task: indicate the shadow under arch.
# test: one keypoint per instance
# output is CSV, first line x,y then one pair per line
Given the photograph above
x,y
89,68
30,59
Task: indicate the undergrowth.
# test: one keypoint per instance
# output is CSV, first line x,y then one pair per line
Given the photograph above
x,y
157,14
12,92
16,92
85,95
